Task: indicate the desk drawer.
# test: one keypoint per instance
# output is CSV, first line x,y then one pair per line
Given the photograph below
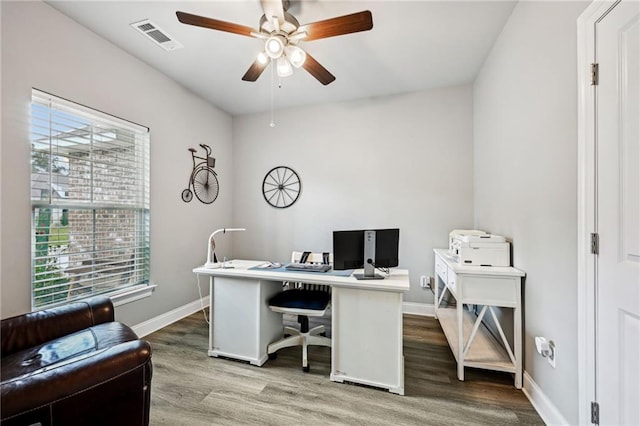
x,y
441,269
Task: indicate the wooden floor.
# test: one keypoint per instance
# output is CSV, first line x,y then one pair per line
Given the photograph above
x,y
190,388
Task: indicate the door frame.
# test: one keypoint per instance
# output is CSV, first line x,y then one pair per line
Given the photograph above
x,y
587,207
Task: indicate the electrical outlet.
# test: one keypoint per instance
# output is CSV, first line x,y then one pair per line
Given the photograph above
x,y
425,281
546,348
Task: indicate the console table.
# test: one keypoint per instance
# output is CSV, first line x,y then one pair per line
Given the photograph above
x,y
471,342
366,325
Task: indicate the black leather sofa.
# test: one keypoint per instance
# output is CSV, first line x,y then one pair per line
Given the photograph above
x,y
73,365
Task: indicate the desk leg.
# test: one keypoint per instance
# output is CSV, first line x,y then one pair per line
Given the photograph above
x,y
436,283
211,307
460,349
517,337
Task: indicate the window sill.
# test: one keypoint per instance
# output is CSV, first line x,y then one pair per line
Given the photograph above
x,y
132,294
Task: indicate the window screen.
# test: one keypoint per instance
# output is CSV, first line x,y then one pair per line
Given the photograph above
x,y
89,202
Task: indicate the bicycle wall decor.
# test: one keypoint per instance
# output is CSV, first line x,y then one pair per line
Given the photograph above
x,y
203,179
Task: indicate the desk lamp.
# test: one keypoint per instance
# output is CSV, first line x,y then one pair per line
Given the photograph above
x,y
213,263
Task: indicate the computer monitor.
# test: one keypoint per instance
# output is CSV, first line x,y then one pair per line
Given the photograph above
x,y
369,248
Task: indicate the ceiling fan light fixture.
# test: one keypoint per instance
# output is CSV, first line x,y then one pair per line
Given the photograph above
x,y
295,55
274,46
263,58
284,67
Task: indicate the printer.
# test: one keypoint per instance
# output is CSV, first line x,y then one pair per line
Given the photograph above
x,y
475,249
453,234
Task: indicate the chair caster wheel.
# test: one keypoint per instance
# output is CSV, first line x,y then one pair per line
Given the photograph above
x,y
305,369
273,355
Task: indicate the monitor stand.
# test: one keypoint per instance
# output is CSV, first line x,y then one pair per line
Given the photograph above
x,y
369,258
368,277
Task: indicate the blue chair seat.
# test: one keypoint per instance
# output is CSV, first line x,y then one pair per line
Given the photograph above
x,y
301,299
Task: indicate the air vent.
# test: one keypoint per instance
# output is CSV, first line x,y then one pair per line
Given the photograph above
x,y
157,35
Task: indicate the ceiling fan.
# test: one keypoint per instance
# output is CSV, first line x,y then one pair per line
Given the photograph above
x,y
281,33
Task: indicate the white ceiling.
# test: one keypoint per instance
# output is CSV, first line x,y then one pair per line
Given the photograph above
x,y
414,45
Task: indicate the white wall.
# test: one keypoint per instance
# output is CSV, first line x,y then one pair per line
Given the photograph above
x,y
525,159
403,161
42,48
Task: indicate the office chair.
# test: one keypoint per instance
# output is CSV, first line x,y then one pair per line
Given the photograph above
x,y
303,300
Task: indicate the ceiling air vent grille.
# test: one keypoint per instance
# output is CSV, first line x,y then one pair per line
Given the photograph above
x,y
157,35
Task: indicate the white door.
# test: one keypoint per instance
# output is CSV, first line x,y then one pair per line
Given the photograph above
x,y
618,215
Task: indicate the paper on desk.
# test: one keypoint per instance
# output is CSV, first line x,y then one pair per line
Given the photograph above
x,y
268,265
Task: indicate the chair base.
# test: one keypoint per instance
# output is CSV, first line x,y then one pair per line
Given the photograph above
x,y
301,338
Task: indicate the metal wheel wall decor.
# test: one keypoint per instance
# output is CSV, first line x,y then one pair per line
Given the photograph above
x,y
203,179
281,187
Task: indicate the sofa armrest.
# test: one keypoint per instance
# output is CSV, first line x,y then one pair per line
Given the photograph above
x,y
87,373
24,331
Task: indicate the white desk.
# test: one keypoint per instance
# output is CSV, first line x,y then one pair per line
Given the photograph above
x,y
366,327
471,343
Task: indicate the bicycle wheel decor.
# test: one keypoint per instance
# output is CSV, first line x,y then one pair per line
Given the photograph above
x,y
205,185
281,187
187,195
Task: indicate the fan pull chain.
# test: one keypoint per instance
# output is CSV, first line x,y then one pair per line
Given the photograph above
x,y
273,82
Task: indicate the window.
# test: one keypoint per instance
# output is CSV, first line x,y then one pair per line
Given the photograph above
x,y
89,202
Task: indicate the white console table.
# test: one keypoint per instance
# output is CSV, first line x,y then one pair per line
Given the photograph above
x,y
366,327
471,342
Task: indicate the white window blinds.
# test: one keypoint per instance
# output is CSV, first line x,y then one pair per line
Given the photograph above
x,y
89,202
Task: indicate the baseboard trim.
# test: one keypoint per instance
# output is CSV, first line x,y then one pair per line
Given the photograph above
x,y
542,404
424,309
168,318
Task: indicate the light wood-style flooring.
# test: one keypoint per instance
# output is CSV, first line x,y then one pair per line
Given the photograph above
x,y
191,388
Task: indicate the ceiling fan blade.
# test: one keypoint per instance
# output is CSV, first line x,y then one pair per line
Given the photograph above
x,y
347,24
318,71
255,70
214,24
273,8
